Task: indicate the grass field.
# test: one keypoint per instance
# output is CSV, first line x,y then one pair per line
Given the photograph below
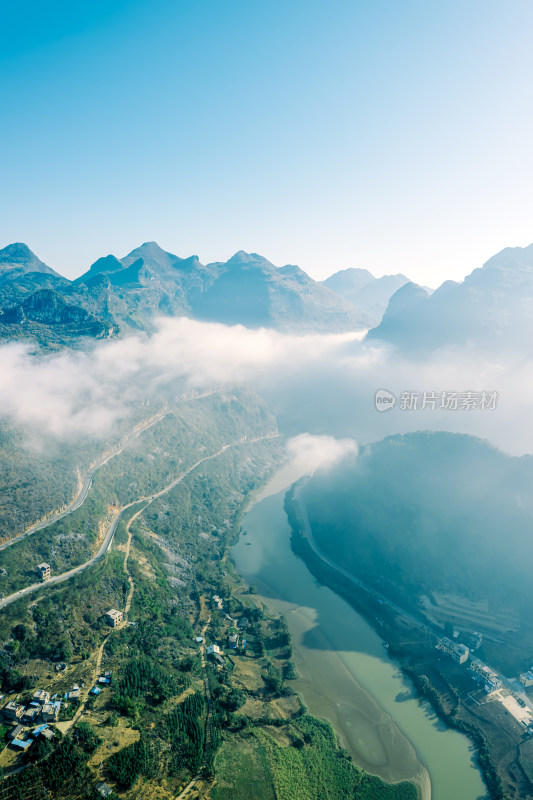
x,y
242,771
315,768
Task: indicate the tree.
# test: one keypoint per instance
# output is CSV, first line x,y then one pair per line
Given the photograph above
x,y
290,672
20,632
273,679
234,699
86,737
39,750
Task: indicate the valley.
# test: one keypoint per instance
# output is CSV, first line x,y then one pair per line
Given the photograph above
x,y
168,672
157,561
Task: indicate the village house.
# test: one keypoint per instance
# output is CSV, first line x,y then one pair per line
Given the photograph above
x,y
114,617
50,712
13,711
526,678
21,744
213,650
31,714
461,653
44,571
40,696
490,679
15,732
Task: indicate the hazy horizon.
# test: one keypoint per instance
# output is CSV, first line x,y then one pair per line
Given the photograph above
x,y
175,251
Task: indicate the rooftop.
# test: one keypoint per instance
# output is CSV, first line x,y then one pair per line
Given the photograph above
x,y
21,744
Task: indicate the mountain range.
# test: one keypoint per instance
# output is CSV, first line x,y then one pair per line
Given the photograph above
x,y
492,308
121,294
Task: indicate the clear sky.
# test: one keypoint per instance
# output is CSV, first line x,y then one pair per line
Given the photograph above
x,y
391,134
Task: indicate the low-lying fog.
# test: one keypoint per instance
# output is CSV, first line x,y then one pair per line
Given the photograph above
x,y
318,384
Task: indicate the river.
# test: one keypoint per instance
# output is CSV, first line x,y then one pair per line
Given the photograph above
x,y
345,674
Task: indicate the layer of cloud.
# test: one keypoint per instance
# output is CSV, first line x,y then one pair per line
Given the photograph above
x,y
320,384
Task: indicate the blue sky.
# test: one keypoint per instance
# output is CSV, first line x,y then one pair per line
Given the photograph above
x,y
385,134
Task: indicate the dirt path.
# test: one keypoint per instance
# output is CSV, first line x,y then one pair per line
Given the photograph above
x,y
188,788
127,555
68,724
65,726
209,718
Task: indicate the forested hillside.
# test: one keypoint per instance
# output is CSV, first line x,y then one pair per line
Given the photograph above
x,y
429,517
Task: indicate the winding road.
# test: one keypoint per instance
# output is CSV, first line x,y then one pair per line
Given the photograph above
x,y
108,538
86,485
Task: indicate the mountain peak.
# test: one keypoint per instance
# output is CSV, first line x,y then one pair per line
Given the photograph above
x,y
153,255
17,250
18,256
347,282
149,247
511,258
242,257
108,263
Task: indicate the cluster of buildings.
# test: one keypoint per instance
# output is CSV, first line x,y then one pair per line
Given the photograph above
x,y
234,635
103,681
487,677
17,733
42,709
492,682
